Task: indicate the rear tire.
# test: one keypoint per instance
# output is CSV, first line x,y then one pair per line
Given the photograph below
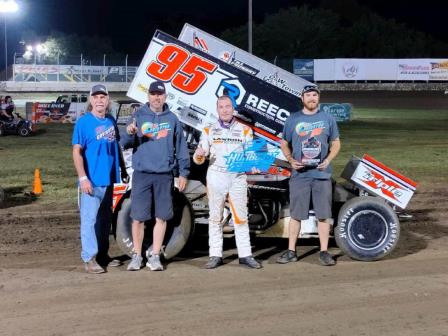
x,y
368,229
24,131
178,232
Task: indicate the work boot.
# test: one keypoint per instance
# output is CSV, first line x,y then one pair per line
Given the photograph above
x,y
250,262
136,262
326,259
213,262
154,263
286,257
92,267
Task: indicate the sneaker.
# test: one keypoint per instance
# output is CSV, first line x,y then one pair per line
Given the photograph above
x,y
154,263
92,267
287,256
115,263
136,262
214,262
250,262
326,259
108,261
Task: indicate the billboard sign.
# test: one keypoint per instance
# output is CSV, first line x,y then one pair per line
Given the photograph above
x,y
304,68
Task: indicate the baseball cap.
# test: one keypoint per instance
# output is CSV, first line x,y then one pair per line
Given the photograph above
x,y
157,86
98,89
309,88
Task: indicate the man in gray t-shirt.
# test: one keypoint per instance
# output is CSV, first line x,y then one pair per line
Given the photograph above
x,y
310,142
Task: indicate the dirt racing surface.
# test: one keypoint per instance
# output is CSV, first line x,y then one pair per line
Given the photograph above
x,y
44,290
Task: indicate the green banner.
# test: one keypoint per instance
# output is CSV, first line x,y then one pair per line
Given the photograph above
x,y
342,112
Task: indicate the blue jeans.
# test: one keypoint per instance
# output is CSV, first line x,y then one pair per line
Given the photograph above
x,y
96,219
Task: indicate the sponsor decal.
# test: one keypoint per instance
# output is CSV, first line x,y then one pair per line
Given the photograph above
x,y
266,109
379,182
233,88
199,43
244,66
155,131
225,56
281,83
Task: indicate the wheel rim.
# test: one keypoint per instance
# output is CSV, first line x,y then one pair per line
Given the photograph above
x,y
368,229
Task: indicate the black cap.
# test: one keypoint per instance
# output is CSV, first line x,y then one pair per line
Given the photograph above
x,y
157,86
99,89
309,88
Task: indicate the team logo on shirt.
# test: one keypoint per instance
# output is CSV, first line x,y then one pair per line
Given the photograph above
x,y
107,134
313,129
155,131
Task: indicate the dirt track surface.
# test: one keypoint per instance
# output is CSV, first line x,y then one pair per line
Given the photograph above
x,y
44,290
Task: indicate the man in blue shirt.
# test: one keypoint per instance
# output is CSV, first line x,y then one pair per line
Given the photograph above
x,y
97,159
310,142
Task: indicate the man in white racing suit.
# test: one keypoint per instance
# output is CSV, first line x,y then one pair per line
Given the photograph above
x,y
218,141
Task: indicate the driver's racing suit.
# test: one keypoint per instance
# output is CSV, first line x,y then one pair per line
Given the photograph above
x,y
218,141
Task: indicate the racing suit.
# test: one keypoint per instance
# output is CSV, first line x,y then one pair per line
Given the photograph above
x,y
219,141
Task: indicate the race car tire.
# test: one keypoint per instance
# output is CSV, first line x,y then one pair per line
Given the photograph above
x,y
368,229
178,232
24,131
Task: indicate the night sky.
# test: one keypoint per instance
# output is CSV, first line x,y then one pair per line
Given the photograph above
x,y
131,23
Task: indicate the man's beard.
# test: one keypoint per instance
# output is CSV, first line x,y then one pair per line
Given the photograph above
x,y
311,105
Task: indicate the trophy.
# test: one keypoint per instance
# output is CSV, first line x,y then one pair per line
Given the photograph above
x,y
311,152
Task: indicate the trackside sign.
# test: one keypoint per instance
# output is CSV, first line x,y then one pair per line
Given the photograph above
x,y
195,79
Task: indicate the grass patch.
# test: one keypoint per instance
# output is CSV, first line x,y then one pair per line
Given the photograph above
x,y
413,142
49,150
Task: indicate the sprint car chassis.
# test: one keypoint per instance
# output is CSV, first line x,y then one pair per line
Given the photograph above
x,y
365,224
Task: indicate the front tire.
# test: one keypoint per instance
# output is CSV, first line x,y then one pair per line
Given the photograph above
x,y
178,232
368,229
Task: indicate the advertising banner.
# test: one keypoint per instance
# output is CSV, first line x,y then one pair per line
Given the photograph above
x,y
438,70
194,80
349,69
42,113
304,68
75,73
242,60
341,112
413,69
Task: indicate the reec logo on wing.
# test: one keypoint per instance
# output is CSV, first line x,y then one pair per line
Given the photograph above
x,y
232,88
267,108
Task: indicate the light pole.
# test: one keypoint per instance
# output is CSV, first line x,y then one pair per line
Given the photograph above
x,y
7,6
249,24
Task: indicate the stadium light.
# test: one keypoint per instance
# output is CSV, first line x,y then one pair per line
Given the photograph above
x,y
7,6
